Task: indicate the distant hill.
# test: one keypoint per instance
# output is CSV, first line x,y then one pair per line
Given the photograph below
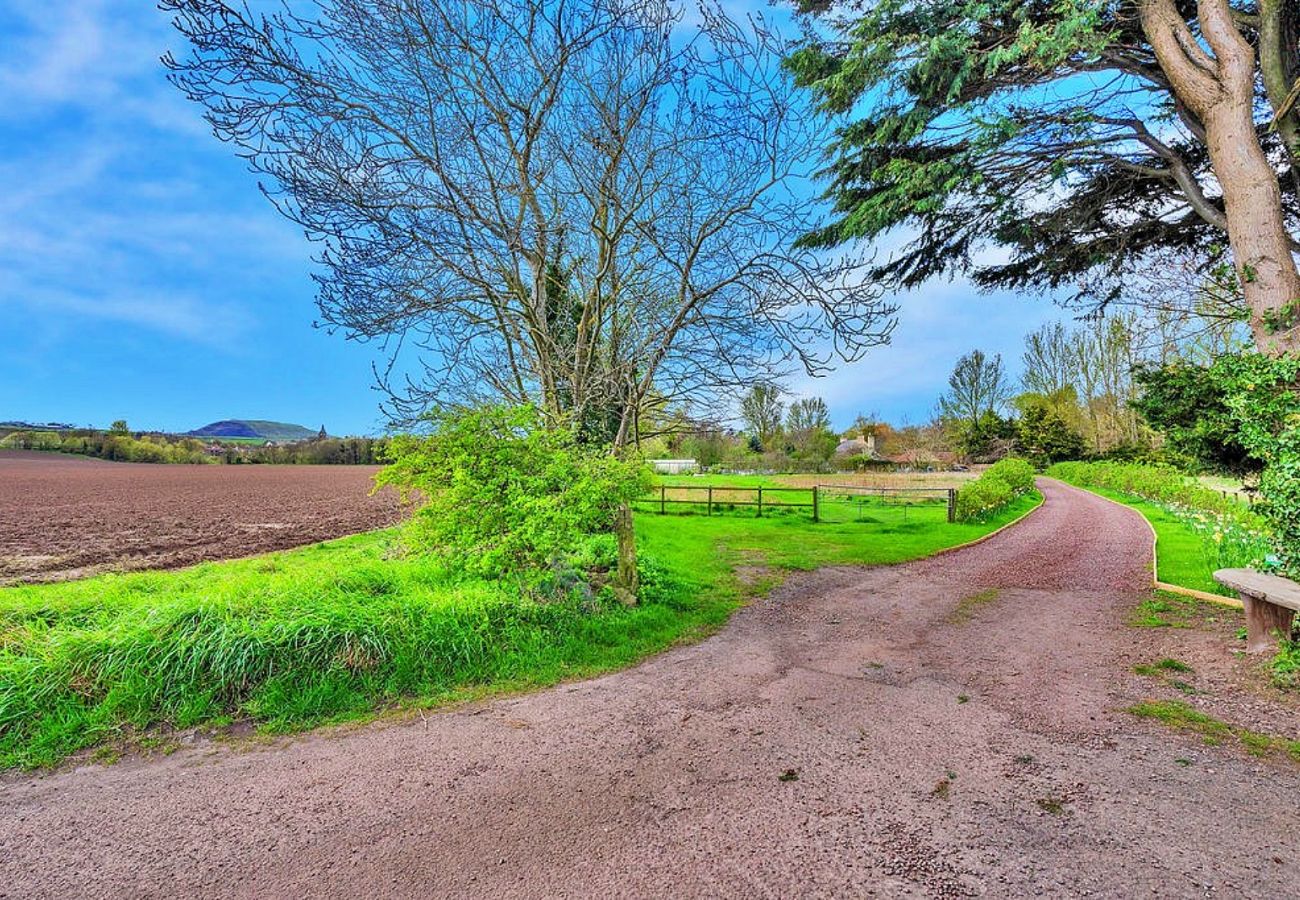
x,y
254,429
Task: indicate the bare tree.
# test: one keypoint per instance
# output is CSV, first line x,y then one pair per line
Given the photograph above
x,y
1048,360
763,411
808,425
585,205
1189,306
978,385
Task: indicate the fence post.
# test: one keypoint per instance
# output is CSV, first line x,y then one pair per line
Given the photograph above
x,y
815,510
760,503
952,505
710,500
663,501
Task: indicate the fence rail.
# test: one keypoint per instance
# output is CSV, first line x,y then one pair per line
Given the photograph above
x,y
714,496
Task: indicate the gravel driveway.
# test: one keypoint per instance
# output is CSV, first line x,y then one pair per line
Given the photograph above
x,y
861,732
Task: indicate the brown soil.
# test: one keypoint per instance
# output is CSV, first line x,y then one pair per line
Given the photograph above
x,y
857,733
68,516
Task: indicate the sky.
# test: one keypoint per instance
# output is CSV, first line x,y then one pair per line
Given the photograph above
x,y
144,277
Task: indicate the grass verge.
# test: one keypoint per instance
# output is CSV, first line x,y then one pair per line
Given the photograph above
x,y
347,628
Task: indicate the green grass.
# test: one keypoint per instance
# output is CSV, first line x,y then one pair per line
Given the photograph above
x,y
1163,666
966,609
343,629
1182,558
1181,716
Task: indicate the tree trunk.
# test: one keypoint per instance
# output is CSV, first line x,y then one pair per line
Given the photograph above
x,y
1220,90
1261,245
628,583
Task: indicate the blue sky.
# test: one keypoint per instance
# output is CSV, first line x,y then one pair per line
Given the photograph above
x,y
143,276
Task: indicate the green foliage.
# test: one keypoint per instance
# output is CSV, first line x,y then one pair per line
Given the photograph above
x,y
1045,437
323,633
1286,666
1263,395
1188,404
998,487
500,493
986,437
115,445
32,440
1160,484
1017,473
982,498
1001,122
762,410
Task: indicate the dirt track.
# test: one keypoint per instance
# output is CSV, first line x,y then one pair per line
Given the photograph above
x,y
820,745
70,516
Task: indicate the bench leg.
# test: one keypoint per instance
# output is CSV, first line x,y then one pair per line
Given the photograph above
x,y
1263,621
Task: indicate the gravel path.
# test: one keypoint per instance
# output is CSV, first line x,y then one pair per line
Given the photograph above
x,y
861,732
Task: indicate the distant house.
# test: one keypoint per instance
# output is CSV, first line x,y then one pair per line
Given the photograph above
x,y
862,445
674,466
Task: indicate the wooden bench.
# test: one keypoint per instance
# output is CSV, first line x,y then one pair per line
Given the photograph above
x,y
1271,603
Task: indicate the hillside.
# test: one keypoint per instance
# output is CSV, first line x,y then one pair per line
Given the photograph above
x,y
255,429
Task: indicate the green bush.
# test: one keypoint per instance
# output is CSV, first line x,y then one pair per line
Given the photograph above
x,y
989,494
1263,395
502,494
1017,473
983,498
1159,484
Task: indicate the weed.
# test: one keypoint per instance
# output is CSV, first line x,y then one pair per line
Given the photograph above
x,y
1051,805
1181,717
968,606
788,775
1164,610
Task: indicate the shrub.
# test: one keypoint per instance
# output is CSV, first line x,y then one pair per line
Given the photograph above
x,y
500,493
982,498
1263,395
1017,473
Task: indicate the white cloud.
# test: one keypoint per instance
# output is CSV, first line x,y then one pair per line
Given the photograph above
x,y
184,317
91,228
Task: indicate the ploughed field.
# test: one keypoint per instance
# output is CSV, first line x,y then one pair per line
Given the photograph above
x,y
67,516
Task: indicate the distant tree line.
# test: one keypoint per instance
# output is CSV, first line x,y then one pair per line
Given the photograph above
x,y
351,451
120,444
1132,385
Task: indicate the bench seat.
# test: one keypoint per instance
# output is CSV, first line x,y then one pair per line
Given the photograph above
x,y
1271,603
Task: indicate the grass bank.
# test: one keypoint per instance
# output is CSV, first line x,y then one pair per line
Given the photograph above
x,y
343,629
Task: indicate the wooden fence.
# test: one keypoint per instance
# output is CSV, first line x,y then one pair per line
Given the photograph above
x,y
717,496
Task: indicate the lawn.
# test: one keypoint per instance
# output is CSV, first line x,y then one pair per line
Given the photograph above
x,y
346,628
